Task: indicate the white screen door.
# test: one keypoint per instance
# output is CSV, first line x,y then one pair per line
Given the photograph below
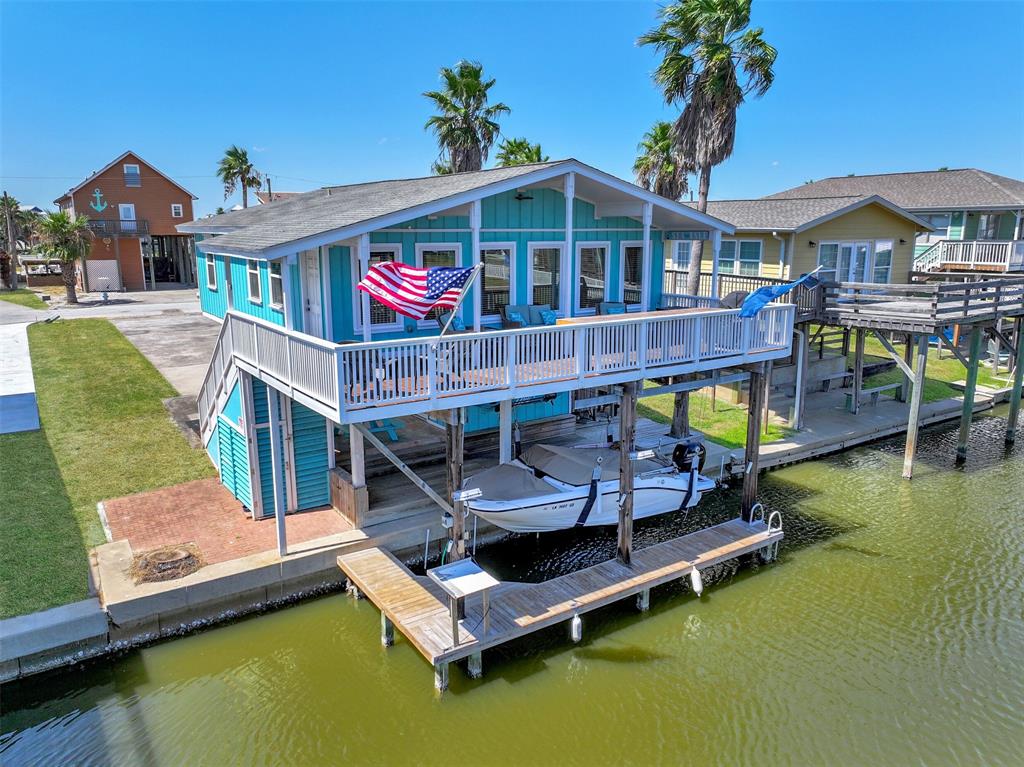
x,y
313,313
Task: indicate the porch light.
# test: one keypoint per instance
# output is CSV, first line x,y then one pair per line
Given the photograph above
x,y
811,243
520,196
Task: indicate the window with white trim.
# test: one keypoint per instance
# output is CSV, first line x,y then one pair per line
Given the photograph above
x,y
177,210
276,286
988,226
211,273
496,279
740,257
939,222
882,269
591,273
828,258
546,275
252,270
132,177
381,317
633,275
429,254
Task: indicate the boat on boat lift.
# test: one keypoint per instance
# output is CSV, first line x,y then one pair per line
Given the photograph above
x,y
549,487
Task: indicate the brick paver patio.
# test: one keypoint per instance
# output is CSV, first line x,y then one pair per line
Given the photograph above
x,y
206,514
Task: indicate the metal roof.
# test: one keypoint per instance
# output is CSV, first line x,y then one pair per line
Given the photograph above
x,y
926,190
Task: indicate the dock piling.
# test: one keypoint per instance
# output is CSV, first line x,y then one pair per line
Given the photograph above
x,y
971,385
755,412
475,665
441,676
627,435
916,395
387,630
858,369
643,600
455,430
1018,377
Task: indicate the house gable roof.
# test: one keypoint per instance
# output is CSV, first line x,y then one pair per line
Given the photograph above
x,y
330,214
799,214
964,188
114,162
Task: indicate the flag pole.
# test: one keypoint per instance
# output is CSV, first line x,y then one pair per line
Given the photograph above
x,y
465,289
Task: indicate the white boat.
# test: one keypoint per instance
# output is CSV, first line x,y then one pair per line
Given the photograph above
x,y
556,488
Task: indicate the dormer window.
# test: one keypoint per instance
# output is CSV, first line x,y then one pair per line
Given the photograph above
x,y
132,177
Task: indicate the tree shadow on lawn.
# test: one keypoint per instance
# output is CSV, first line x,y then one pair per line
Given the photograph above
x,y
44,561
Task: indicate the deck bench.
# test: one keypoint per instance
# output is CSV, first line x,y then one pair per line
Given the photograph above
x,y
873,393
826,381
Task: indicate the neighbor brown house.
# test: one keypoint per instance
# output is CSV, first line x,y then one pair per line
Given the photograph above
x,y
133,209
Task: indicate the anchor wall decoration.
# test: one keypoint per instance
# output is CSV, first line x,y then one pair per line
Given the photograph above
x,y
98,205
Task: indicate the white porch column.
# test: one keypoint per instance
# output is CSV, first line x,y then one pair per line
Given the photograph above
x,y
566,270
478,288
505,431
1017,233
357,455
646,277
364,297
276,467
716,245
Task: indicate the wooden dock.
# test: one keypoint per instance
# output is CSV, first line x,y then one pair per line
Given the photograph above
x,y
419,609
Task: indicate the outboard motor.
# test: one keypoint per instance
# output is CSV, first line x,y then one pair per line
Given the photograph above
x,y
689,454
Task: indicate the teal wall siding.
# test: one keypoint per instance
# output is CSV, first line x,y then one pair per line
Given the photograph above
x,y
483,417
956,226
309,448
234,461
240,292
340,285
261,415
296,295
232,410
211,301
213,447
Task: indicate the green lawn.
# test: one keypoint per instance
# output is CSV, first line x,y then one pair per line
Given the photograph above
x,y
105,434
939,373
23,297
725,424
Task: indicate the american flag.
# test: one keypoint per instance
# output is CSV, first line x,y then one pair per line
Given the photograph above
x,y
412,290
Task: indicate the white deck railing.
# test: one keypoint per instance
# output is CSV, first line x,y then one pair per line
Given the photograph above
x,y
1001,255
366,381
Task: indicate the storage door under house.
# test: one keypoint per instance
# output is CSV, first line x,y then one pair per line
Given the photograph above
x,y
233,451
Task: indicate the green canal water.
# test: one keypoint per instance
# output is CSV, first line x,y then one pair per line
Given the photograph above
x,y
890,631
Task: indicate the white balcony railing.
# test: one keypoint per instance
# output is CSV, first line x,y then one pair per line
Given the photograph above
x,y
992,255
366,381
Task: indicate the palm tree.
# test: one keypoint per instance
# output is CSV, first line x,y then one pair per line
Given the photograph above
x,y
235,170
519,151
657,168
67,239
466,125
711,61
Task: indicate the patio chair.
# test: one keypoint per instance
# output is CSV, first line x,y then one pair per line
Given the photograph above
x,y
735,299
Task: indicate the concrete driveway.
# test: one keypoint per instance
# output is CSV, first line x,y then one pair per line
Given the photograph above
x,y
179,343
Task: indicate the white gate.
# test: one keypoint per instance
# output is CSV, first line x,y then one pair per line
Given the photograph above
x,y
102,275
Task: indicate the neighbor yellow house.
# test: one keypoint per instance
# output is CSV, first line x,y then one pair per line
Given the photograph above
x,y
854,238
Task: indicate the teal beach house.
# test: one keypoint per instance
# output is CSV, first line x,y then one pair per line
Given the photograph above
x,y
569,298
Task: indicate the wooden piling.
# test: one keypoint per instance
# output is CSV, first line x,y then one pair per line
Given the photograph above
x,y
916,395
755,410
627,434
387,630
680,412
858,369
475,665
454,440
967,412
1018,377
908,357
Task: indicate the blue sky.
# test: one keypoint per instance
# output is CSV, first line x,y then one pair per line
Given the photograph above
x,y
330,92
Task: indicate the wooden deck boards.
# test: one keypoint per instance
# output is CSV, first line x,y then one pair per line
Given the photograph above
x,y
419,609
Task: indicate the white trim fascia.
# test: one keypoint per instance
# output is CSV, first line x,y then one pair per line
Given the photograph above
x,y
562,258
477,193
419,247
213,317
357,324
576,273
114,162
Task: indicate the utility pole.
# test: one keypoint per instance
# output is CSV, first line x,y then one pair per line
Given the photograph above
x,y
270,192
12,245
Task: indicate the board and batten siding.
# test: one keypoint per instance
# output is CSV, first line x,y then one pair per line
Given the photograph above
x,y
213,301
503,219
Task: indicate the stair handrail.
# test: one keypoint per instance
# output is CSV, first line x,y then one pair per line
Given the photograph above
x,y
929,259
